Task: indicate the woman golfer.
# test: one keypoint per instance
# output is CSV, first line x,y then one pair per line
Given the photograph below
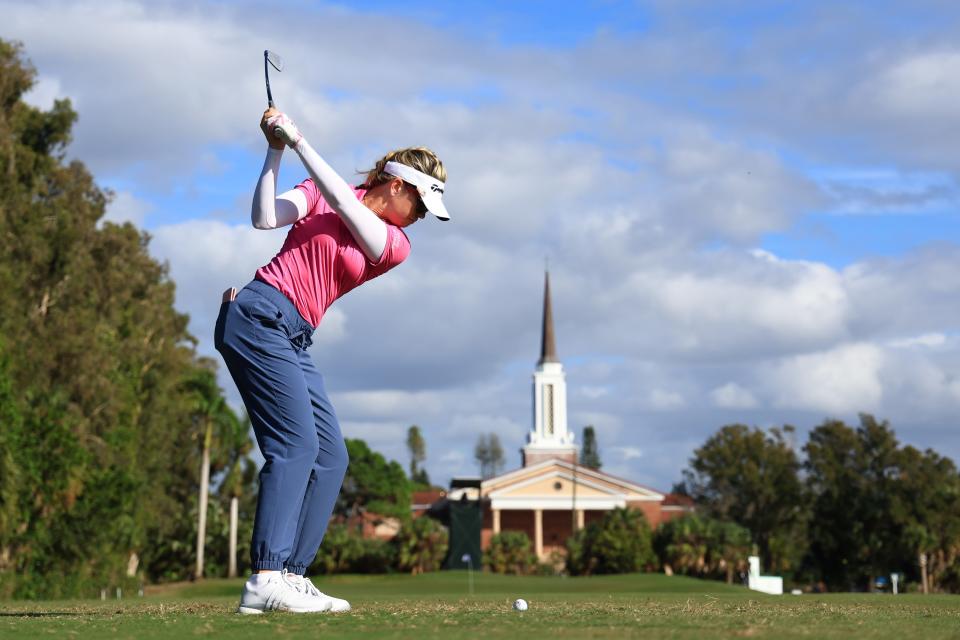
x,y
341,237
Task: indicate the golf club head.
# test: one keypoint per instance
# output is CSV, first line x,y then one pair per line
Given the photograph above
x,y
270,59
274,59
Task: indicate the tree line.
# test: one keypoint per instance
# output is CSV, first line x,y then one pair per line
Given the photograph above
x,y
105,406
849,506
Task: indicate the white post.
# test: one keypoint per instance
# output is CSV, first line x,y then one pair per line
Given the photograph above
x,y
894,578
469,560
202,506
923,573
234,513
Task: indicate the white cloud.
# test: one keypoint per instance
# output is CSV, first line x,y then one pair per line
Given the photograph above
x,y
920,86
911,295
930,340
125,207
733,396
631,453
604,422
45,90
841,381
663,400
730,190
594,392
723,305
386,403
921,382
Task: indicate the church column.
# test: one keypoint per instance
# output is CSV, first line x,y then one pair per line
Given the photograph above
x,y
496,521
538,532
579,519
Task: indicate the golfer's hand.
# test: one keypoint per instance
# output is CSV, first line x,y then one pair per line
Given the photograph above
x,y
282,127
272,140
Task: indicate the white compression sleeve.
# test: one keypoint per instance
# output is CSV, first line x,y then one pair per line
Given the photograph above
x,y
270,211
367,228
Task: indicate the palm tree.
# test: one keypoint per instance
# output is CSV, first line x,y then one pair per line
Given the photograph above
x,y
219,425
686,551
732,547
233,485
421,545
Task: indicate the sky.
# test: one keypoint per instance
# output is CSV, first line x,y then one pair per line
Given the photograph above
x,y
750,210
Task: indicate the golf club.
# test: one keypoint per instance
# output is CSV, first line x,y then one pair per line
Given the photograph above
x,y
270,59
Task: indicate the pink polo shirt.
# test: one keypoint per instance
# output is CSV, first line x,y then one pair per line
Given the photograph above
x,y
320,261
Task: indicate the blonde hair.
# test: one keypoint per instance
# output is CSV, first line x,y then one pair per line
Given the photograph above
x,y
420,158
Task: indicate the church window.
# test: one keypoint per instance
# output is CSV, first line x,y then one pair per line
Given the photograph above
x,y
548,409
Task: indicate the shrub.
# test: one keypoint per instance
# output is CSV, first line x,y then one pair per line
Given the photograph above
x,y
510,552
420,545
554,565
344,550
375,556
619,543
701,546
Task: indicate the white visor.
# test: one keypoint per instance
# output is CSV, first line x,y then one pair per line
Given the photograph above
x,y
429,188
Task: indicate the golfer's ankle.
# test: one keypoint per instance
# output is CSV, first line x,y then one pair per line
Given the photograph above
x,y
266,571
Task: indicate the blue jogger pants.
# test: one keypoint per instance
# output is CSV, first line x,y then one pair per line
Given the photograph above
x,y
263,340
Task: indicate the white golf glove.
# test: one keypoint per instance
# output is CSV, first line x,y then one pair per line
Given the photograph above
x,y
284,129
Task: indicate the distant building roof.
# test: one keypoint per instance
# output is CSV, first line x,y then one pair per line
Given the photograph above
x,y
677,500
423,499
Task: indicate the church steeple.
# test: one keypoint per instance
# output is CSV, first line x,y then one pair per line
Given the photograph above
x,y
549,437
548,342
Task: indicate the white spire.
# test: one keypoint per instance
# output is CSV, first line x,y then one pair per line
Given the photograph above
x,y
549,437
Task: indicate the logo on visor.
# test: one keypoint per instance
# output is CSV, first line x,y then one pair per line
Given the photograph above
x,y
435,187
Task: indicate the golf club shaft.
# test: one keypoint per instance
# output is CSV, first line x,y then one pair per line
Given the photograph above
x,y
266,75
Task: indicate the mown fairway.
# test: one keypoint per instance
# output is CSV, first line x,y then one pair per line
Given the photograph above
x,y
439,606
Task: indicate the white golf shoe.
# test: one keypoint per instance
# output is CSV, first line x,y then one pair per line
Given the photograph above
x,y
304,585
278,591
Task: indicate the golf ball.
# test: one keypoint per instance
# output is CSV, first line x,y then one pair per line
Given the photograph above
x,y
520,604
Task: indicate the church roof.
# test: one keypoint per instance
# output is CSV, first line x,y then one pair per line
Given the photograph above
x,y
552,466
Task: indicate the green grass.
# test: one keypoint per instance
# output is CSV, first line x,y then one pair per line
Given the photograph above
x,y
439,606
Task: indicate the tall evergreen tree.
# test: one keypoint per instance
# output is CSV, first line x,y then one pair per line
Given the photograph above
x,y
418,453
590,453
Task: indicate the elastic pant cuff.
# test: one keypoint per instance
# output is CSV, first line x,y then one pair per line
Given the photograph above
x,y
268,565
298,569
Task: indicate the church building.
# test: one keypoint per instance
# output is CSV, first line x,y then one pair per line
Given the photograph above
x,y
550,496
